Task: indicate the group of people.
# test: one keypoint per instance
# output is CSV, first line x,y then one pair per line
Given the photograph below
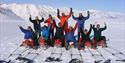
x,y
63,33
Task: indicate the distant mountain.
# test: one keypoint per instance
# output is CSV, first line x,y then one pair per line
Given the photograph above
x,y
22,11
7,14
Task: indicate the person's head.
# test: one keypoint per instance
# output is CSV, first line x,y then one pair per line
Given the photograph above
x,y
50,16
45,26
29,28
80,15
85,31
70,28
98,26
37,17
59,24
63,14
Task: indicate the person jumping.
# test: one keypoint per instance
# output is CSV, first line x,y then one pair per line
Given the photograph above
x,y
98,35
81,20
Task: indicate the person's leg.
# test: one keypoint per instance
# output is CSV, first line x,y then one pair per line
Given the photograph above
x,y
63,41
52,37
78,34
83,43
52,33
81,32
36,38
49,34
39,32
67,44
75,44
96,42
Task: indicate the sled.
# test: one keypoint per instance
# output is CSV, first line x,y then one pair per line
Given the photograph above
x,y
27,43
57,42
88,44
42,43
101,43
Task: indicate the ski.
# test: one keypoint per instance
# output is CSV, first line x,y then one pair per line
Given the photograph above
x,y
121,60
116,51
12,53
113,54
27,60
50,58
75,59
107,61
93,55
18,54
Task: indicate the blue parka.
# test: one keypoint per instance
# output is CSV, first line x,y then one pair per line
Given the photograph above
x,y
28,34
81,20
45,31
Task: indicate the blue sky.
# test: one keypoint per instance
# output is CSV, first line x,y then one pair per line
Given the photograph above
x,y
105,5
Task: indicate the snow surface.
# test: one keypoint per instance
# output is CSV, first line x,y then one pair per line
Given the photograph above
x,y
11,36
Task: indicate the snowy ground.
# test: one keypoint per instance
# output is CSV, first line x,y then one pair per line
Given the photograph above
x,y
11,37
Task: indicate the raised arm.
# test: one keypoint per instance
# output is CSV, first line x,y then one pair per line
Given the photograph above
x,y
41,19
75,18
31,19
70,13
75,27
93,27
58,13
90,29
22,29
54,22
46,20
87,17
104,27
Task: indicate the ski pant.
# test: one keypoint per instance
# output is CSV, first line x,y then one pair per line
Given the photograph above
x,y
79,32
36,37
82,44
51,35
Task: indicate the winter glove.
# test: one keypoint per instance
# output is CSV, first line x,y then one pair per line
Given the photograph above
x,y
90,25
71,10
57,10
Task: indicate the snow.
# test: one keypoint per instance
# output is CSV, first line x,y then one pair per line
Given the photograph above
x,y
11,37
